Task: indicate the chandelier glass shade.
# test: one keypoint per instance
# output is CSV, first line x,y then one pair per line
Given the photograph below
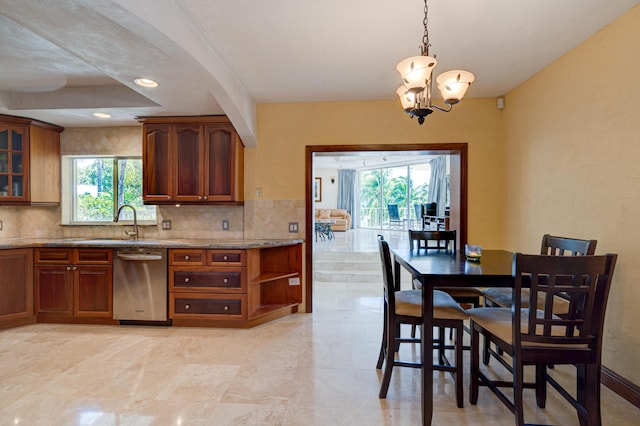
x,y
416,73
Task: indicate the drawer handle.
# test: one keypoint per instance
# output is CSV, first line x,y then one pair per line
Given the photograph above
x,y
226,307
225,258
226,280
187,306
186,280
186,257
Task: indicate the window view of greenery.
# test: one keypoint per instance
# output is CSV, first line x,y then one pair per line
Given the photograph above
x,y
403,186
102,185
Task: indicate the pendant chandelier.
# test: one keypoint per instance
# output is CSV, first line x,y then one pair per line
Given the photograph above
x,y
415,93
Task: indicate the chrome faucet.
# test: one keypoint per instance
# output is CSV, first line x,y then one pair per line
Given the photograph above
x,y
131,234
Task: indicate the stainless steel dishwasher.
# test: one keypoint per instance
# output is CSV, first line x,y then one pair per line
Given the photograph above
x,y
140,284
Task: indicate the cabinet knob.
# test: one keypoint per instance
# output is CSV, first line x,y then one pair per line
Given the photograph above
x,y
199,197
68,268
168,197
225,258
226,280
186,280
75,268
226,307
186,257
187,306
205,197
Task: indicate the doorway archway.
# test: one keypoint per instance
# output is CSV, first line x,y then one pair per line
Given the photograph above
x,y
458,191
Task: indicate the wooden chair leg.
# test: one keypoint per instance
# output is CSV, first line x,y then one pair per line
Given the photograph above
x,y
459,370
485,352
541,385
383,344
518,385
441,344
589,395
392,346
474,365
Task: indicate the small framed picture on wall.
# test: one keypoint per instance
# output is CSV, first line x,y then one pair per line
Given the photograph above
x,y
317,190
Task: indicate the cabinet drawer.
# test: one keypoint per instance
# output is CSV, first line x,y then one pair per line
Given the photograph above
x,y
221,279
94,256
53,255
226,257
187,257
207,306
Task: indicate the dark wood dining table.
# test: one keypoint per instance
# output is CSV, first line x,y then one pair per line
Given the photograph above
x,y
439,269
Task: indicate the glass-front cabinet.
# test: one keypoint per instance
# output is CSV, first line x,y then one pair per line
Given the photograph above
x,y
29,162
13,152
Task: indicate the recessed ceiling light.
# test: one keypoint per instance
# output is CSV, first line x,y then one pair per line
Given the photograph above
x,y
145,82
101,115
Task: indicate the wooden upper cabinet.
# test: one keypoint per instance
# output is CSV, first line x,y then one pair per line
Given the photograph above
x,y
156,160
223,162
192,160
29,161
189,163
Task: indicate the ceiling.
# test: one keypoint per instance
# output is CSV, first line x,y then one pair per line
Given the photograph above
x,y
62,60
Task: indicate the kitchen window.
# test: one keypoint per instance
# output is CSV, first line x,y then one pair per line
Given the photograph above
x,y
98,186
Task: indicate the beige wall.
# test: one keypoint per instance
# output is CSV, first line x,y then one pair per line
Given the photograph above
x,y
572,146
277,165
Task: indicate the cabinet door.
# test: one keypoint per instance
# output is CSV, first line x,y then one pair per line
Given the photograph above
x,y
16,286
157,170
93,291
189,163
14,152
220,163
54,290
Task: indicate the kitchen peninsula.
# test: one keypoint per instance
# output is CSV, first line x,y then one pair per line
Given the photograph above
x,y
211,283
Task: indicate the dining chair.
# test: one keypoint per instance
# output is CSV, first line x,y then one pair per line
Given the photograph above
x,y
418,210
445,241
534,335
405,307
394,215
551,246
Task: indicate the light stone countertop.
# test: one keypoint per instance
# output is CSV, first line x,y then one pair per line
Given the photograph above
x,y
203,243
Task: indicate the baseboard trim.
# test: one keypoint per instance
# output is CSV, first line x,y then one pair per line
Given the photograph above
x,y
623,387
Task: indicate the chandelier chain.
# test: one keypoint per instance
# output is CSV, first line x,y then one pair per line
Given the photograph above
x,y
425,37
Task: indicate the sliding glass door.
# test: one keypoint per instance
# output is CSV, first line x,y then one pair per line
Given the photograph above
x,y
401,187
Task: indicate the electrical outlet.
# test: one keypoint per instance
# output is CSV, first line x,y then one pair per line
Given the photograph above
x,y
166,224
293,227
225,225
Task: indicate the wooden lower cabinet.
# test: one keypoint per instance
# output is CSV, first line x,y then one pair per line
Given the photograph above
x,y
16,288
73,285
234,288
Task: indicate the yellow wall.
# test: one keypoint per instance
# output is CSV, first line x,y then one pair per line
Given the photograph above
x,y
572,146
277,165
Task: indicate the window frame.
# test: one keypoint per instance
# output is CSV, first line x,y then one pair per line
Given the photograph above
x,y
72,199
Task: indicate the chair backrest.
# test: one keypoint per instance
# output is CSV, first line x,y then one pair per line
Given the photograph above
x,y
431,209
418,209
585,280
562,246
394,213
444,240
387,271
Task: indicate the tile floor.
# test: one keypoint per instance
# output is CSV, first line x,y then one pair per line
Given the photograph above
x,y
305,369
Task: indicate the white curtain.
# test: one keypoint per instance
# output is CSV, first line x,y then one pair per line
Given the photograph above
x,y
346,191
438,184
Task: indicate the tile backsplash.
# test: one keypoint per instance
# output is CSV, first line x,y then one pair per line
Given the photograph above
x,y
262,219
